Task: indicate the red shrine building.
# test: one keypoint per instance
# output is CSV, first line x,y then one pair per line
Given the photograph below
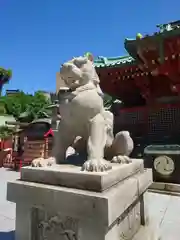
x,y
147,81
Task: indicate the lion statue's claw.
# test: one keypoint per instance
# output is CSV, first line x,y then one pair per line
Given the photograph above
x,y
95,165
41,162
121,159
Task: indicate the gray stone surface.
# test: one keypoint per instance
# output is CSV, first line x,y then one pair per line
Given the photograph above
x,y
107,205
163,209
167,187
84,117
56,210
72,176
7,209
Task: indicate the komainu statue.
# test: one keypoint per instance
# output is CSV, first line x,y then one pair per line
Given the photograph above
x,y
85,124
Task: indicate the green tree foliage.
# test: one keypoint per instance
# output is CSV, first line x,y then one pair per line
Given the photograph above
x,y
112,104
15,104
108,101
25,106
5,76
37,108
5,132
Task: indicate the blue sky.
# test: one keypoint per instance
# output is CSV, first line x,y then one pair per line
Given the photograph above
x,y
36,36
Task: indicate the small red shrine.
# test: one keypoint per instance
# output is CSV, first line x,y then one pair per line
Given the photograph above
x,y
147,81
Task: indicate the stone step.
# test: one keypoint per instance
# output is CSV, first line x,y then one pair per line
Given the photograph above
x,y
168,187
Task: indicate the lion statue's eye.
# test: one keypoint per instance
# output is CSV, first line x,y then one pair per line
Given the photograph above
x,y
79,62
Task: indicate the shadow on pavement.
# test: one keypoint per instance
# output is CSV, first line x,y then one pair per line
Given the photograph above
x,y
7,235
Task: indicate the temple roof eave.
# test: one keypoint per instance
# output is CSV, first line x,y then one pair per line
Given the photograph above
x,y
168,32
121,61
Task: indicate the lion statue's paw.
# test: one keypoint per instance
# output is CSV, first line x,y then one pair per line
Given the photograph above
x,y
41,162
95,165
121,159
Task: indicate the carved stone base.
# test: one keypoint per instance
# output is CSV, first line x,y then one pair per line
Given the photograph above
x,y
71,176
45,212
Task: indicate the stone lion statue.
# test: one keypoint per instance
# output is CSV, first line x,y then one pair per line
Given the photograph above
x,y
85,124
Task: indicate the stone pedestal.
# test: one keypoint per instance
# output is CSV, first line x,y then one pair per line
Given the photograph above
x,y
63,203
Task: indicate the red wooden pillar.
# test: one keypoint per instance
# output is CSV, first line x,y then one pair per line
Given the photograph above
x,y
46,148
46,139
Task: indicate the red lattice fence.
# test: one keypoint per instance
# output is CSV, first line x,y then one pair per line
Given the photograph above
x,y
151,122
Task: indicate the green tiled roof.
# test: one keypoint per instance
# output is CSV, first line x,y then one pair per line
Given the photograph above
x,y
113,61
164,31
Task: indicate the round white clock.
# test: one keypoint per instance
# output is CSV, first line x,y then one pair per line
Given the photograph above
x,y
164,165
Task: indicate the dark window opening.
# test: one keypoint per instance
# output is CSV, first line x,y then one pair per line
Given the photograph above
x,y
37,130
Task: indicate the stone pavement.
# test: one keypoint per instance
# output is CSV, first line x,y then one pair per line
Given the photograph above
x,y
7,209
163,208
